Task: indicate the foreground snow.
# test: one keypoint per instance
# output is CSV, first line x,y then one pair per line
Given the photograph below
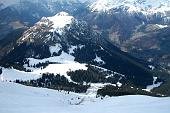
x,y
16,98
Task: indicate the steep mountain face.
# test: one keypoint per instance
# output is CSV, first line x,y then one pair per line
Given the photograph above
x,y
126,15
64,39
151,45
134,26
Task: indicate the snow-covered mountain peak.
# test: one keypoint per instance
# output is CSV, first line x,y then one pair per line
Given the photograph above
x,y
102,5
106,5
60,20
62,14
144,6
55,25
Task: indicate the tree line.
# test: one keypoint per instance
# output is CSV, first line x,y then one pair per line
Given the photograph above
x,y
56,82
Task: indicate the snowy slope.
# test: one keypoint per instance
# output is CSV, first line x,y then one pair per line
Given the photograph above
x,y
62,69
17,98
102,5
13,74
62,64
60,20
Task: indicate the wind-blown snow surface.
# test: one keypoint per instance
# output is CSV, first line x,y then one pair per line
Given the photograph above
x,y
16,98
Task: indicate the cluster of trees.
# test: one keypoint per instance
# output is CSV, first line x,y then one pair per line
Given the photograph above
x,y
16,58
87,76
56,82
0,70
85,54
111,90
94,75
40,65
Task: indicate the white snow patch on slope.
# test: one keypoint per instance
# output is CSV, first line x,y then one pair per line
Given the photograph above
x,y
162,26
55,49
150,87
154,85
99,60
63,64
64,58
71,49
16,98
60,20
151,67
101,5
62,69
13,74
91,92
119,84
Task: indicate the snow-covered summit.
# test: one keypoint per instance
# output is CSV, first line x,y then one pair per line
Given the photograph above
x,y
102,5
60,20
54,24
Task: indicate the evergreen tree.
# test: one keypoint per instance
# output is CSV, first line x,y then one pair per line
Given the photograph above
x,y
0,70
